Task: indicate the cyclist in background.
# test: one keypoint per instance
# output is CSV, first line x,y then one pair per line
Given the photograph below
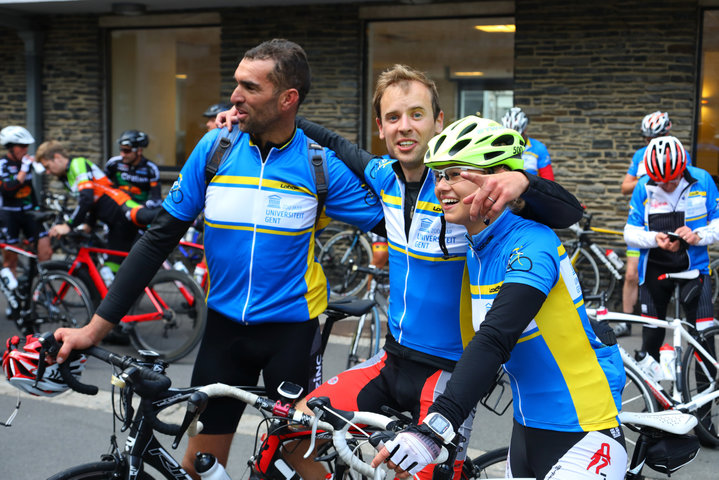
x,y
529,318
18,198
656,124
535,156
132,172
380,253
96,199
426,331
677,198
266,292
212,112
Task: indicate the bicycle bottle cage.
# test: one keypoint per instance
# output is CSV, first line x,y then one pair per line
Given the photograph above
x,y
495,400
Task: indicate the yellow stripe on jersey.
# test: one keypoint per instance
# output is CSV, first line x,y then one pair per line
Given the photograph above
x,y
259,230
316,296
429,207
236,180
466,326
461,258
390,199
564,335
486,289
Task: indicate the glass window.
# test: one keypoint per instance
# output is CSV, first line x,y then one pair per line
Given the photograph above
x,y
162,81
707,151
470,59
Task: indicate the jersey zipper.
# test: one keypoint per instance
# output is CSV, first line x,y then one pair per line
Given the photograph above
x,y
254,238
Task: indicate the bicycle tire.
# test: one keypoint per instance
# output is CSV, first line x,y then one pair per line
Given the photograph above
x,y
491,464
695,372
366,339
587,271
183,323
81,273
59,300
636,397
105,470
714,269
337,257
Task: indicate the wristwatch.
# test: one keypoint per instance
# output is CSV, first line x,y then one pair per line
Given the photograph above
x,y
440,426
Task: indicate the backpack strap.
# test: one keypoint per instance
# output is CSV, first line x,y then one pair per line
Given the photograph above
x,y
318,160
222,147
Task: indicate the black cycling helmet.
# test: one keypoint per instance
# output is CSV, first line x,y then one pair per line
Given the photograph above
x,y
213,110
134,139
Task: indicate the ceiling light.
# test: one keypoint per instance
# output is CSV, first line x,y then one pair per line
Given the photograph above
x,y
496,28
467,74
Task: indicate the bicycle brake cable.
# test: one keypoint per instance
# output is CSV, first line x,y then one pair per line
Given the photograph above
x,y
8,422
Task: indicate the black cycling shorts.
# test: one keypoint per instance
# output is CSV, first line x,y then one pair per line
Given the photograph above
x,y
235,354
16,222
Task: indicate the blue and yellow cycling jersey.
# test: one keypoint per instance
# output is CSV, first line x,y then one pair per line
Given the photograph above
x,y
535,156
425,287
563,378
260,225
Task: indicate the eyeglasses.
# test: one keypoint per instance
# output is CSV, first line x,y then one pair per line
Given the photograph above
x,y
127,150
452,175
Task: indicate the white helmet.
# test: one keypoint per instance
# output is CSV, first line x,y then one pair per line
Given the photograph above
x,y
515,119
656,124
15,135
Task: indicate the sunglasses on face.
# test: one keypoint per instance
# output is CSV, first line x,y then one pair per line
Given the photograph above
x,y
452,175
127,150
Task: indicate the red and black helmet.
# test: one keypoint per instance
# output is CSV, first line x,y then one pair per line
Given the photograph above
x,y
20,364
665,159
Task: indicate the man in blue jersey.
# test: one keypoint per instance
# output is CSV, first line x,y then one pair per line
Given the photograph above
x,y
265,289
426,332
656,124
566,384
536,156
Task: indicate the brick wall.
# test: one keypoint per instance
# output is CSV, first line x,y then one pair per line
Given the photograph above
x,y
72,90
331,37
12,93
588,72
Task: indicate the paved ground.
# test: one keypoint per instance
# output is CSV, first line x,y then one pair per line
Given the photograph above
x,y
51,434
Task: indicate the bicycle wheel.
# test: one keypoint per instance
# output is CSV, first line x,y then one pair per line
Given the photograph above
x,y
714,270
636,397
587,272
183,316
337,257
59,300
492,464
700,377
366,338
81,273
106,470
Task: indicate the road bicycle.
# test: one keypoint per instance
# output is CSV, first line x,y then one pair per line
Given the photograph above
x,y
337,257
43,299
169,317
367,335
145,378
668,428
692,384
587,257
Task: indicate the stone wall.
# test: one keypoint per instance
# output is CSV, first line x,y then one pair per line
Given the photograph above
x,y
331,36
588,72
12,92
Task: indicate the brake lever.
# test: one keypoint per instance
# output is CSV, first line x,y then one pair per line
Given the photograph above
x,y
196,404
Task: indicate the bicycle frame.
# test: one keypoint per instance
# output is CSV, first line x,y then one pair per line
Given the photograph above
x,y
84,257
583,240
673,401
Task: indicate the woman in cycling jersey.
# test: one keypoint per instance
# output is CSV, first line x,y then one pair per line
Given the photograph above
x,y
529,317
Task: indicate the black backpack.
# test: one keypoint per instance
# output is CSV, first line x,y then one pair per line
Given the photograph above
x,y
315,154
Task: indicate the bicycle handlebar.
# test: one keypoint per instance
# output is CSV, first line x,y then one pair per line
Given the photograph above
x,y
378,273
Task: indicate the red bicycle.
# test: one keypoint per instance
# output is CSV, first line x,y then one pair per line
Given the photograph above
x,y
168,318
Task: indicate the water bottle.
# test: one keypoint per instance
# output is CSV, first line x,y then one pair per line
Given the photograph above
x,y
614,258
8,278
649,366
190,234
667,355
179,266
200,270
207,466
107,275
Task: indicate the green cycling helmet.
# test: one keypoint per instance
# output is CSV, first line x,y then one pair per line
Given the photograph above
x,y
476,142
